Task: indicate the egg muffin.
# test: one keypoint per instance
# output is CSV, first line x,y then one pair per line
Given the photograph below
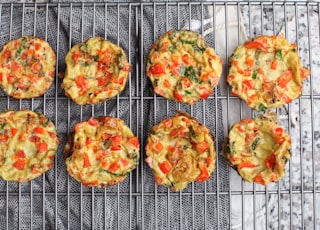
x,y
96,71
258,149
28,144
183,67
101,152
266,72
27,67
180,150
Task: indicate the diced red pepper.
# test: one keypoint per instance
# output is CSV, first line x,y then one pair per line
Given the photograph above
x,y
205,93
285,78
177,96
115,147
38,130
81,81
165,166
248,84
20,164
270,161
3,137
274,64
134,141
204,175
86,160
93,122
157,69
20,154
13,131
42,147
249,61
114,167
259,179
116,139
202,146
246,164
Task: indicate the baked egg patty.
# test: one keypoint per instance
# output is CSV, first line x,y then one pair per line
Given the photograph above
x,y
96,71
180,150
28,144
258,149
27,67
101,152
266,72
183,67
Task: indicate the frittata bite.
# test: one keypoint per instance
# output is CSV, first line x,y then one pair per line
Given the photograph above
x,y
266,72
97,70
28,144
101,152
27,67
258,149
180,150
183,67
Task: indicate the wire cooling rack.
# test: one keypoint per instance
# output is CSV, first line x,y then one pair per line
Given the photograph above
x,y
56,201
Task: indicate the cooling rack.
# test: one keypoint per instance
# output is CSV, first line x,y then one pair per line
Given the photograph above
x,y
56,201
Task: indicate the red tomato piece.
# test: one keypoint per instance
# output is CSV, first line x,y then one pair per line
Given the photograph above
x,y
177,96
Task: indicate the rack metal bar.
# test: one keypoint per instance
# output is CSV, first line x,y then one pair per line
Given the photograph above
x,y
141,111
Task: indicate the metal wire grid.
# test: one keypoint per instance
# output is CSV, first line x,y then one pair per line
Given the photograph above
x,y
56,201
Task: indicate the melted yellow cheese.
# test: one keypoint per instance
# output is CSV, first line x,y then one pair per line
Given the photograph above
x,y
28,144
180,150
259,150
27,67
101,152
266,72
97,70
183,67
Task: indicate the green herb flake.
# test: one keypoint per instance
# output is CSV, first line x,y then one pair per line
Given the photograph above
x,y
192,74
182,70
234,56
187,92
171,48
198,48
115,174
279,55
255,142
185,147
153,132
191,131
261,108
155,82
233,148
21,47
254,75
188,42
47,122
285,159
2,125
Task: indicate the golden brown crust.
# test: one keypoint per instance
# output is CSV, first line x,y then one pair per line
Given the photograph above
x,y
266,72
180,150
182,67
27,67
101,152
